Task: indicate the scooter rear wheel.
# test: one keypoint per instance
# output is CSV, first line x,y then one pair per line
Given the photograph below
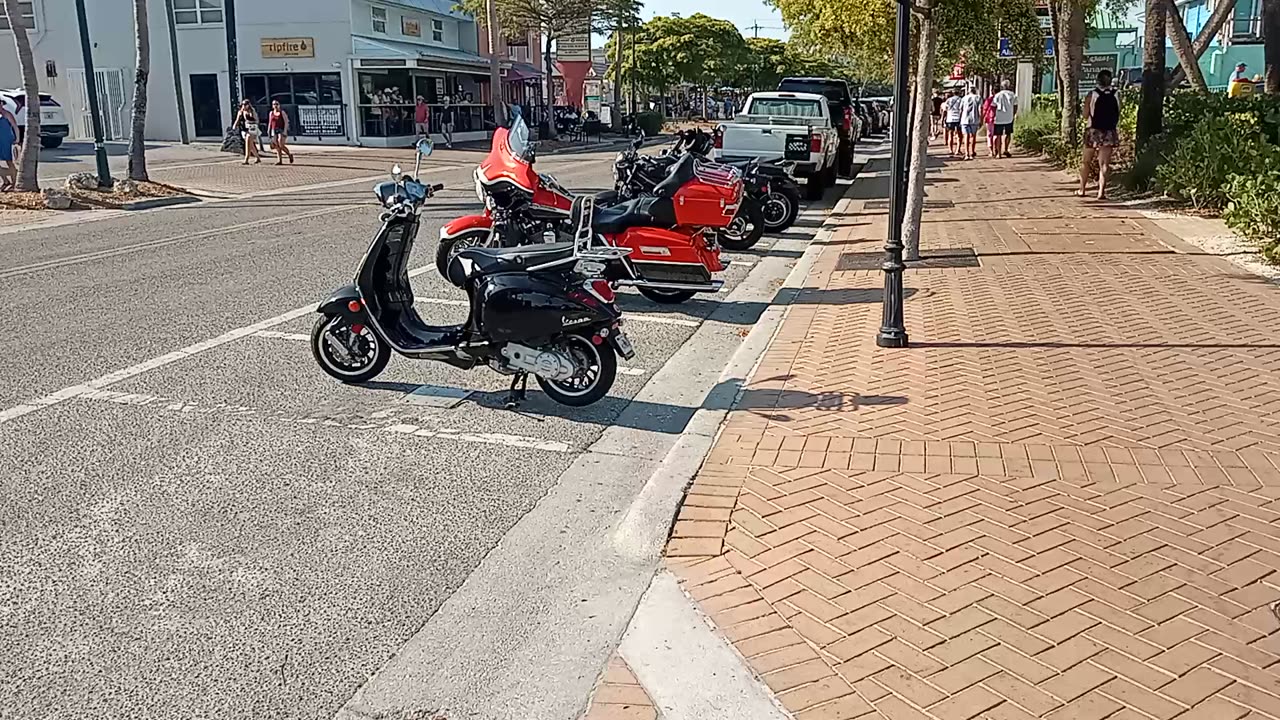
x,y
371,357
598,367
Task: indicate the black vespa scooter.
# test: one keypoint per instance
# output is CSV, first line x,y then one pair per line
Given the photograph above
x,y
541,310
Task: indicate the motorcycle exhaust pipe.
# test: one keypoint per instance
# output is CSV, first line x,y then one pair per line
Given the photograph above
x,y
713,286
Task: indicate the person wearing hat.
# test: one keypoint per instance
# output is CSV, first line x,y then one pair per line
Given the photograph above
x,y
1240,84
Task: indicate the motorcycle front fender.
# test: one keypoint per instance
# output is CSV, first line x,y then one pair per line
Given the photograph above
x,y
465,224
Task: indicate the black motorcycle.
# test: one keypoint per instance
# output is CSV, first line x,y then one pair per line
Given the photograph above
x,y
540,310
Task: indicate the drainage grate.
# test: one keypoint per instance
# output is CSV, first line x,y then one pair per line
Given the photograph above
x,y
933,259
934,204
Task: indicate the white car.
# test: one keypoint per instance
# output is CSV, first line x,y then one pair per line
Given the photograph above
x,y
53,120
789,126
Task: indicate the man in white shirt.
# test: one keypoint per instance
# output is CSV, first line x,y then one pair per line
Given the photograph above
x,y
952,109
969,121
1006,105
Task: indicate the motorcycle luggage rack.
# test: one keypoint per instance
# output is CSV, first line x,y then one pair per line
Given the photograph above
x,y
584,245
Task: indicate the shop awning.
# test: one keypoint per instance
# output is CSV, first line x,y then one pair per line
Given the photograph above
x,y
420,56
522,71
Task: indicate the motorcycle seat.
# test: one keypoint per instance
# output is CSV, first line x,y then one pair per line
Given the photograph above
x,y
641,212
476,262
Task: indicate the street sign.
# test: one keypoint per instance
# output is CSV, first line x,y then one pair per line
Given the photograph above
x,y
1048,47
1006,48
299,47
592,94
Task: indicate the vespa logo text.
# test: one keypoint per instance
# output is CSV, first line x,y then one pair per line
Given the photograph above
x,y
567,321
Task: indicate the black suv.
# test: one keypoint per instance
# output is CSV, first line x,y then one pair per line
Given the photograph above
x,y
840,103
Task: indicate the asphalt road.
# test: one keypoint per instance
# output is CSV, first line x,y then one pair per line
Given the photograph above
x,y
196,522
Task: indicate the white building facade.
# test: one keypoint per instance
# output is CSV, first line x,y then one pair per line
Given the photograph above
x,y
346,71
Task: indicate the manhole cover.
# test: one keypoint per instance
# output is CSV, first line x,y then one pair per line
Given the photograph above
x,y
934,204
932,259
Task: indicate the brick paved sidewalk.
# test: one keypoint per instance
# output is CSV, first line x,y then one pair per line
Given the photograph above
x,y
1063,501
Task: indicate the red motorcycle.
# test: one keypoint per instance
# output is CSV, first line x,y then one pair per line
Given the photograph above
x,y
671,257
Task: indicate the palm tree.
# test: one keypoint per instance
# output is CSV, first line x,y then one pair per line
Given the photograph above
x,y
137,136
28,171
1271,46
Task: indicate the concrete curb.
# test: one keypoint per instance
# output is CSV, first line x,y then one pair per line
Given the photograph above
x,y
152,203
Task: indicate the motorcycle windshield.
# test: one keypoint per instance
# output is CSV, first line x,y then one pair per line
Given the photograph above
x,y
510,158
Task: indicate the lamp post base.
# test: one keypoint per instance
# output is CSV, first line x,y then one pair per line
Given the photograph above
x,y
892,338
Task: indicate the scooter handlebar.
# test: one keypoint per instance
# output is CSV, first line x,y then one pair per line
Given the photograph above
x,y
437,187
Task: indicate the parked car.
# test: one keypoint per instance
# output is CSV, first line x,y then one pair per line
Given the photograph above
x,y
840,105
53,121
795,127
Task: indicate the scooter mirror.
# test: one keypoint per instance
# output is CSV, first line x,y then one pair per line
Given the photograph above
x,y
425,147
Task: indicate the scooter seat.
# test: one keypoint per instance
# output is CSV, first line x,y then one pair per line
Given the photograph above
x,y
475,262
641,212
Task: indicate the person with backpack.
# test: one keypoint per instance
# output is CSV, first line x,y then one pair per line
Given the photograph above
x,y
1102,118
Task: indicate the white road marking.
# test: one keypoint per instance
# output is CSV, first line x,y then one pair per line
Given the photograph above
x,y
172,405
660,319
277,335
632,371
173,240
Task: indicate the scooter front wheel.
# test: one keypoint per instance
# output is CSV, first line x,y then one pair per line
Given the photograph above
x,y
346,354
597,368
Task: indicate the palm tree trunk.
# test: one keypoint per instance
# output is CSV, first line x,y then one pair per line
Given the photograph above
x,y
28,170
616,116
1222,11
138,134
1182,46
1271,44
1151,110
926,48
550,99
1070,60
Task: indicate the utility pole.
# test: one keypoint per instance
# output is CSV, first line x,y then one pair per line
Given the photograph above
x,y
177,73
635,40
91,89
495,74
233,58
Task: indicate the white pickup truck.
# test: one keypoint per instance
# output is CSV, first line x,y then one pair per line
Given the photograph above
x,y
789,126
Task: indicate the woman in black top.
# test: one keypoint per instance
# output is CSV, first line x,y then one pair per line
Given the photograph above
x,y
1102,115
247,123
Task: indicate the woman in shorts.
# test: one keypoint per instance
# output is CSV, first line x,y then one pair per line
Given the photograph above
x,y
247,123
1102,113
278,128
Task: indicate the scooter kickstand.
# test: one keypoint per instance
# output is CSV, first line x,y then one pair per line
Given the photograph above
x,y
519,384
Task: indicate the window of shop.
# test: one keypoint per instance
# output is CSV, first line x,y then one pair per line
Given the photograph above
x,y
197,12
27,11
387,101
437,31
312,100
379,20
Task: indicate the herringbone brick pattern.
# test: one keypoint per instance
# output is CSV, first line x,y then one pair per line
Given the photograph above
x,y
961,596
619,696
1063,501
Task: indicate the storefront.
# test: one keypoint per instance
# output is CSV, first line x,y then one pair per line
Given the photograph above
x,y
313,101
391,75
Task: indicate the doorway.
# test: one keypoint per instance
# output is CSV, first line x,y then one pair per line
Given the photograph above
x,y
206,105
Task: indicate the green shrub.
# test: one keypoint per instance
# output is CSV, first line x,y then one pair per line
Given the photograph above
x,y
1033,127
1185,110
1254,208
1199,166
650,122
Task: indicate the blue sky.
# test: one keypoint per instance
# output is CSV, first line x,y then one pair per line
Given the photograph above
x,y
743,13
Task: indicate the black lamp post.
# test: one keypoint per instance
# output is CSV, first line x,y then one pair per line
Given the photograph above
x,y
893,332
91,89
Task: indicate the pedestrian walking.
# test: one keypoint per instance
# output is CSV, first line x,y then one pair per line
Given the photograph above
x,y
278,127
446,123
247,123
1102,118
989,121
970,119
935,125
951,124
1006,105
8,147
422,118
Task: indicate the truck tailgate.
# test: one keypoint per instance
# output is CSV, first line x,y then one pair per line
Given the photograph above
x,y
768,142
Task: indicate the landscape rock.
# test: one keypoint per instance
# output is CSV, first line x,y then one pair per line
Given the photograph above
x,y
126,187
82,181
57,199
